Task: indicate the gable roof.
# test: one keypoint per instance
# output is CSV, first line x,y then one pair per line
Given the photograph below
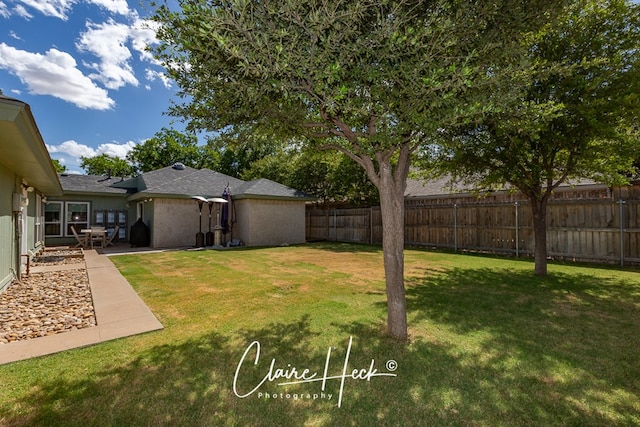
x,y
266,188
23,149
183,182
179,181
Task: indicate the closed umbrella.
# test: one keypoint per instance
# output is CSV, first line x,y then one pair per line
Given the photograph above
x,y
228,213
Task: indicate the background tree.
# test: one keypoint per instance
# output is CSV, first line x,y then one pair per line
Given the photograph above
x,y
371,79
60,168
169,146
578,101
237,151
328,175
105,164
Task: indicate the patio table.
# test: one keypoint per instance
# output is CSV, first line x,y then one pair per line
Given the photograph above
x,y
90,233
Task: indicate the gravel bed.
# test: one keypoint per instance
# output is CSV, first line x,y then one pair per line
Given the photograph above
x,y
58,257
45,304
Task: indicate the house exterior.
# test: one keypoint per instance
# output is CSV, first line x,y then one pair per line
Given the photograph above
x,y
27,178
266,213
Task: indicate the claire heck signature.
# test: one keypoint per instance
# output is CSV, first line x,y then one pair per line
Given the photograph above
x,y
294,375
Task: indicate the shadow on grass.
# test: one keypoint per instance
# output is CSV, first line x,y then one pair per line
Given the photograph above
x,y
345,247
565,337
500,348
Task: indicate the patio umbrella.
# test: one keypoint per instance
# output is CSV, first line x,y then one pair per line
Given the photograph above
x,y
226,195
200,235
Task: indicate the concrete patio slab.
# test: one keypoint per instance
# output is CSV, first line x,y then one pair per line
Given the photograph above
x,y
120,313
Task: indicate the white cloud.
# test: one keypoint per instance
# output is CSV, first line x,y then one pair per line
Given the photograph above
x,y
143,34
152,75
20,10
113,6
107,41
61,8
75,150
72,149
112,43
116,150
54,8
4,10
54,73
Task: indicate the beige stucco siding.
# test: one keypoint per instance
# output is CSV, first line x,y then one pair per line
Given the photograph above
x,y
269,222
175,222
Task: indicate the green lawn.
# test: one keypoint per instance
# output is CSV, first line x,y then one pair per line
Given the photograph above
x,y
491,345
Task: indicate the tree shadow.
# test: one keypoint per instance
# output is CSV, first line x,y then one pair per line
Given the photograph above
x,y
529,329
437,382
339,247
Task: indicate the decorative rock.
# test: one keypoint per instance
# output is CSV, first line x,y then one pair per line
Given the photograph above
x,y
46,303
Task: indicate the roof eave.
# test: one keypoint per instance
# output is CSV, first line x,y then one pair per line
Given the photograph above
x,y
23,148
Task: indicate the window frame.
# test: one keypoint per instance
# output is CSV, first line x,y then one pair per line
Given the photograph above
x,y
68,223
59,223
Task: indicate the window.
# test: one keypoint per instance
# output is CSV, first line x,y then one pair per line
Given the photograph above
x,y
77,216
53,219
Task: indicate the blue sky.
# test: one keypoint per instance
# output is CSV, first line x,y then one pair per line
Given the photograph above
x,y
81,66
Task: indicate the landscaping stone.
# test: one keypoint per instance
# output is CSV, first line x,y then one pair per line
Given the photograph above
x,y
46,303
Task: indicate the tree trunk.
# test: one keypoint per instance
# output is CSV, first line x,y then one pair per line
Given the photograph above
x,y
539,211
391,190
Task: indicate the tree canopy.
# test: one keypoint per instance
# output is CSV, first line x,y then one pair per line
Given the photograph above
x,y
373,79
576,109
104,164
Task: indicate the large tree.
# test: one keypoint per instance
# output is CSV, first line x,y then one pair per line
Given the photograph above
x,y
370,78
577,107
104,164
328,175
169,146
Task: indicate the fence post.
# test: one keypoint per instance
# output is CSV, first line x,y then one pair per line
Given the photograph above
x,y
621,211
517,232
455,227
371,225
335,225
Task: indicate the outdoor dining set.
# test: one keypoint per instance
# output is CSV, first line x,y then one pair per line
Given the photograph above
x,y
90,237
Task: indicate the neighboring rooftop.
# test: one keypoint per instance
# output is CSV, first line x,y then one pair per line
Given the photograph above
x,y
444,187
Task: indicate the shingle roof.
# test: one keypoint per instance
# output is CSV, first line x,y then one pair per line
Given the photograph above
x,y
444,187
178,181
267,188
72,183
185,182
432,187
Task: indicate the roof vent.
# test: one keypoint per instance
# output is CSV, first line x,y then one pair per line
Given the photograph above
x,y
178,166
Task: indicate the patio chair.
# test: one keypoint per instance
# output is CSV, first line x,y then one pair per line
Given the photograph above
x,y
112,236
98,236
81,238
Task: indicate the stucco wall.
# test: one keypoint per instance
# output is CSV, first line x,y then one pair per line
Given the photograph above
x,y
175,222
269,222
258,222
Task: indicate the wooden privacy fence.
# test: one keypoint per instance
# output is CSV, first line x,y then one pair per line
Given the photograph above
x,y
582,230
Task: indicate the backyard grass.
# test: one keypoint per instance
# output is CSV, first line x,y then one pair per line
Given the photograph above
x,y
491,345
